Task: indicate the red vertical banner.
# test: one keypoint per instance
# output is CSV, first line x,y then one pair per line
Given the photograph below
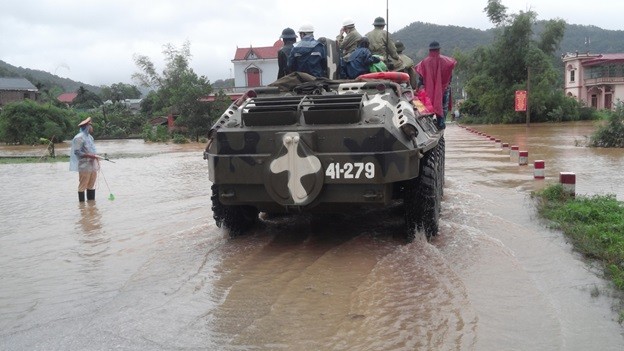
x,y
521,100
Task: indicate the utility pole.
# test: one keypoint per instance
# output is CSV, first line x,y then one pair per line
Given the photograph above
x,y
528,85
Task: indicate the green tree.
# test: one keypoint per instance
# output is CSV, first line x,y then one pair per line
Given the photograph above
x,y
218,106
496,12
551,36
25,122
200,123
223,83
119,92
612,133
49,95
495,72
117,121
178,88
86,99
149,105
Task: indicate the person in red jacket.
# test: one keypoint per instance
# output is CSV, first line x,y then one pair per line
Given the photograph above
x,y
435,72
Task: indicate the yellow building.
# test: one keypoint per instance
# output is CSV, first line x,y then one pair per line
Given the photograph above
x,y
597,80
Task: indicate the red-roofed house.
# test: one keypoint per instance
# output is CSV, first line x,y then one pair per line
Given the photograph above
x,y
67,98
254,67
594,79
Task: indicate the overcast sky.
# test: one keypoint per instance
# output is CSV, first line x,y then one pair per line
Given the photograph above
x,y
94,41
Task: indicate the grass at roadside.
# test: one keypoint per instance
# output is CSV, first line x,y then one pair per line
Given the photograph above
x,y
26,159
594,224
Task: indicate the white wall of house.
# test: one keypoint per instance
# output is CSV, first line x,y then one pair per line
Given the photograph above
x,y
618,94
573,79
267,67
574,76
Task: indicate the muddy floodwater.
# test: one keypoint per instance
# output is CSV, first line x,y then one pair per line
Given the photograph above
x,y
149,270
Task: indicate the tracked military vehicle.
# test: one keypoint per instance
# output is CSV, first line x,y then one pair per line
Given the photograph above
x,y
323,145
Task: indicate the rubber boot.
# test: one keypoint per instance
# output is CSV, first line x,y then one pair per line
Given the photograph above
x,y
81,197
441,123
90,194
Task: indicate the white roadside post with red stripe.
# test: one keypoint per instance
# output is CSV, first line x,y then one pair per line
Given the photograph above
x,y
513,154
523,158
568,181
539,171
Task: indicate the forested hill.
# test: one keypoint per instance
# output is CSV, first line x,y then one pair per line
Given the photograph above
x,y
418,35
43,79
600,41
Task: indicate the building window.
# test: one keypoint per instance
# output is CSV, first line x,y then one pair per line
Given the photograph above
x,y
26,96
572,76
595,72
594,101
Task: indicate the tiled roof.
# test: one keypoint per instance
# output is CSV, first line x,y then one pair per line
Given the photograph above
x,y
262,53
67,97
16,84
604,58
158,121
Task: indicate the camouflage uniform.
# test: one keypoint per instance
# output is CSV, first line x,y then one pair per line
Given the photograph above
x,y
378,39
407,64
406,61
349,43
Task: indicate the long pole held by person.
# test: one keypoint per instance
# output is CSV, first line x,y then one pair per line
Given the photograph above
x,y
387,30
105,158
110,193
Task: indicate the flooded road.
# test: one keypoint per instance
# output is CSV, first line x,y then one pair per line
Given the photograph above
x,y
150,270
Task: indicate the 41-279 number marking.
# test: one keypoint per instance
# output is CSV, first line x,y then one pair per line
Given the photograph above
x,y
348,170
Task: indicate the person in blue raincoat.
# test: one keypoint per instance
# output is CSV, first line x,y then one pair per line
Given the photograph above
x,y
84,160
360,60
308,55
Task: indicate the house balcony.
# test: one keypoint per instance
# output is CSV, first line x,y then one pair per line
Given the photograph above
x,y
603,80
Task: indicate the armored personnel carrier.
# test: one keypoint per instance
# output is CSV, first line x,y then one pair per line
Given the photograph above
x,y
321,145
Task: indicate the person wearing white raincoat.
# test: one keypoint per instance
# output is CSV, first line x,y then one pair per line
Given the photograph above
x,y
83,159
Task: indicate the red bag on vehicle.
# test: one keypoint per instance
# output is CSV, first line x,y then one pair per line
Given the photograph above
x,y
422,103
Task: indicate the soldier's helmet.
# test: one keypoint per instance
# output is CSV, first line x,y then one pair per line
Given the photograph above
x,y
399,46
379,21
288,33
